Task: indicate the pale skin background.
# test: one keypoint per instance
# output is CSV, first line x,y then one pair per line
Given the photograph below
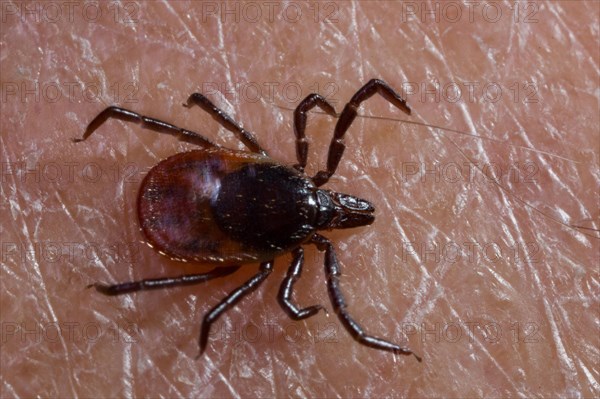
x,y
500,296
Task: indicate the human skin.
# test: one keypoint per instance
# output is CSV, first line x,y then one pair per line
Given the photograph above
x,y
423,273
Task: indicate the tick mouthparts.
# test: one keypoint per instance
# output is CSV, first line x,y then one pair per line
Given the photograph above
x,y
344,211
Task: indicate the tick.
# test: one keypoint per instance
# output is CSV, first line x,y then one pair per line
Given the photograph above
x,y
226,207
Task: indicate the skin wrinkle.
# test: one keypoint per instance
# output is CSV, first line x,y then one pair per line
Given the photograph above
x,y
129,379
164,376
227,383
356,40
54,318
170,57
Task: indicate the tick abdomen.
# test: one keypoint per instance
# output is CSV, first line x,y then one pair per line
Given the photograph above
x,y
225,206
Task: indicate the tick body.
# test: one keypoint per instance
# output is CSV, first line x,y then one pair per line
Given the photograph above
x,y
228,208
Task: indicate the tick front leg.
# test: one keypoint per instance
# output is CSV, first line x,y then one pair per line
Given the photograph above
x,y
226,121
150,123
337,146
230,300
300,117
287,288
168,282
333,271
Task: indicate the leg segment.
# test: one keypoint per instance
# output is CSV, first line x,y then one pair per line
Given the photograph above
x,y
287,287
149,123
225,120
234,297
169,282
311,101
336,148
333,271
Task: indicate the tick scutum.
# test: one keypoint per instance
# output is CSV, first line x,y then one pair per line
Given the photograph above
x,y
268,207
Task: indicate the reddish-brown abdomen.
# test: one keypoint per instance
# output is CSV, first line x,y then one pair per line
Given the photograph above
x,y
227,207
175,204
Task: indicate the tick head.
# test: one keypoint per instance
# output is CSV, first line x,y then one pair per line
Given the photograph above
x,y
343,211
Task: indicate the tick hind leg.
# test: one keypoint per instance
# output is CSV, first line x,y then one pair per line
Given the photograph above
x,y
287,288
150,123
226,121
333,271
168,282
336,147
230,300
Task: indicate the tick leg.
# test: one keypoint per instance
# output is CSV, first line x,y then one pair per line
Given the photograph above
x,y
150,123
287,287
333,272
168,282
234,297
336,147
225,120
311,101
